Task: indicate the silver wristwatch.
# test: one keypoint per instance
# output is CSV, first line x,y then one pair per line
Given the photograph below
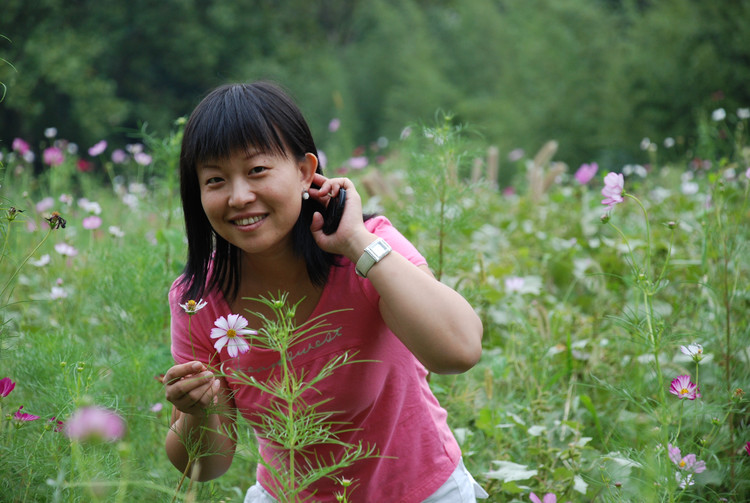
x,y
374,253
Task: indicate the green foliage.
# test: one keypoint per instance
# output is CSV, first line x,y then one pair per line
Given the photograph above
x,y
568,397
595,76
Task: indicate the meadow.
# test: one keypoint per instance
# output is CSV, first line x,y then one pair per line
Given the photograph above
x,y
617,336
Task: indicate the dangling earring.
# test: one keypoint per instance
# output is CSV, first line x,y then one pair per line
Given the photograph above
x,y
305,195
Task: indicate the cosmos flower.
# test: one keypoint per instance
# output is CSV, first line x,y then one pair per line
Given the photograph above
x,y
6,386
358,162
586,172
514,284
119,156
689,462
719,114
548,498
142,158
95,423
66,249
92,222
20,146
98,148
43,260
614,185
334,125
684,388
23,416
694,351
116,231
191,307
53,156
228,331
45,204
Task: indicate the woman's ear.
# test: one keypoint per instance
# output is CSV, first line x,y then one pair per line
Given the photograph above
x,y
307,167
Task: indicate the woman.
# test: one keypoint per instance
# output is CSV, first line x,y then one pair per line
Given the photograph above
x,y
253,197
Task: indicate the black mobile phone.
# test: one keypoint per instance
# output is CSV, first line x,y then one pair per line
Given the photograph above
x,y
334,210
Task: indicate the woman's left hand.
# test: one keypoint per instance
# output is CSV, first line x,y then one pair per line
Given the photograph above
x,y
351,236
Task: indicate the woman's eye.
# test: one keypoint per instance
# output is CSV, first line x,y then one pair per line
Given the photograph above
x,y
257,170
213,180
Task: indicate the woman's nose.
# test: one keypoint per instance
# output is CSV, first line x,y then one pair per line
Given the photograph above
x,y
241,195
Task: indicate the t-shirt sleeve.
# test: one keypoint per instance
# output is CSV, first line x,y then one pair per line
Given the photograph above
x,y
190,334
382,227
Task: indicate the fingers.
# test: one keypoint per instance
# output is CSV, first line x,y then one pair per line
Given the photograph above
x,y
329,186
190,386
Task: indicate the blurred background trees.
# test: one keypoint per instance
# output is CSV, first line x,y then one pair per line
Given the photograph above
x,y
595,75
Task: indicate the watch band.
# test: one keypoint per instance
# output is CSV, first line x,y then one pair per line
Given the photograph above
x,y
374,253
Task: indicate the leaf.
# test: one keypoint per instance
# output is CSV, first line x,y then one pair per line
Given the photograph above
x,y
508,471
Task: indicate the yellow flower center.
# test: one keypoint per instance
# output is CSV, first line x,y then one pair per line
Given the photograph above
x,y
191,304
682,463
231,333
684,391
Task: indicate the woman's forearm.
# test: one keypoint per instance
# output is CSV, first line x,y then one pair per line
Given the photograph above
x,y
208,438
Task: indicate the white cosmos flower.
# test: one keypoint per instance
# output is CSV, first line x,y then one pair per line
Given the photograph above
x,y
192,307
694,351
228,332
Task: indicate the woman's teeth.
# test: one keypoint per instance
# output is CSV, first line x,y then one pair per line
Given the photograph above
x,y
248,221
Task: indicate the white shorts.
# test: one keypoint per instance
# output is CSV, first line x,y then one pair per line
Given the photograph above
x,y
459,488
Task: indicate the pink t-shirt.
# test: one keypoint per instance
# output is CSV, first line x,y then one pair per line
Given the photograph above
x,y
386,401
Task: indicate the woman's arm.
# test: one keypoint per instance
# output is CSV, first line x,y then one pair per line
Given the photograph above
x,y
434,321
203,417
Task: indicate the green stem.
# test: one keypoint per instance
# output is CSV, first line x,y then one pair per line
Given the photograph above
x,y
648,231
7,283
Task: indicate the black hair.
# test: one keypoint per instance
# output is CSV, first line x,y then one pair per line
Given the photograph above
x,y
235,117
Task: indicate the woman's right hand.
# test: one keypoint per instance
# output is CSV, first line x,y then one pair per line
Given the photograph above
x,y
191,387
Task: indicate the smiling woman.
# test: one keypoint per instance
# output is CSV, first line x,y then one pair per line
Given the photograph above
x,y
254,196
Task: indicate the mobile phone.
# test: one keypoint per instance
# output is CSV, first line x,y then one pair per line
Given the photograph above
x,y
333,213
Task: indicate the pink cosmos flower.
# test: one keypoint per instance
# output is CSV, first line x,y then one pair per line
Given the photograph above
x,y
6,386
92,222
95,423
45,204
142,158
684,388
20,146
334,125
98,148
119,156
53,156
66,249
56,423
23,416
586,172
747,448
688,463
548,498
359,162
614,186
228,331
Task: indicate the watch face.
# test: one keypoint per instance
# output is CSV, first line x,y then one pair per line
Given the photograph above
x,y
379,248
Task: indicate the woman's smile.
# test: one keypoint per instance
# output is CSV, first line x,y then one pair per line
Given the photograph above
x,y
245,221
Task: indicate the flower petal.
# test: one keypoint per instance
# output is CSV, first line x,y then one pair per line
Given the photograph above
x,y
220,343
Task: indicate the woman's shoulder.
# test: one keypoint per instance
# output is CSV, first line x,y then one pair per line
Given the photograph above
x,y
378,222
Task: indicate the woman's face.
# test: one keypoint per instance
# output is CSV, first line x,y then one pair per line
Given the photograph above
x,y
253,199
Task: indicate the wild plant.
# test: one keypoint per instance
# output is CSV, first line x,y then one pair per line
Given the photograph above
x,y
294,423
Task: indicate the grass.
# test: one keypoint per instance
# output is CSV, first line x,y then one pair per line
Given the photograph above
x,y
568,388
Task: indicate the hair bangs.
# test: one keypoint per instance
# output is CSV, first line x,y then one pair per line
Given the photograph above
x,y
231,121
